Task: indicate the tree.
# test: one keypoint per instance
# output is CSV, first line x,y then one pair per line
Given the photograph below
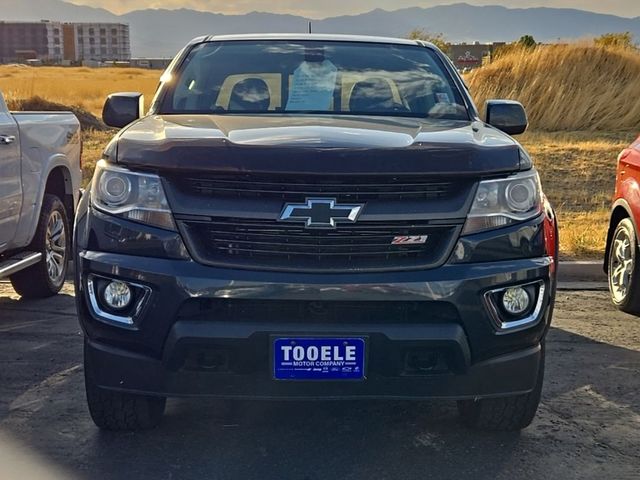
x,y
527,41
438,39
615,40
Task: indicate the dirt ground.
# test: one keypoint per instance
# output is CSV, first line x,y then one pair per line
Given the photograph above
x,y
588,425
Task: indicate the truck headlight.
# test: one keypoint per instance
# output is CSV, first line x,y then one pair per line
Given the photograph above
x,y
131,195
502,202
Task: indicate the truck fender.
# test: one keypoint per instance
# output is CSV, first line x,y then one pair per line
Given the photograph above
x,y
32,206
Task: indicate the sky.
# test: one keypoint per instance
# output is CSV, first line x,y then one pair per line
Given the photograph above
x,y
330,8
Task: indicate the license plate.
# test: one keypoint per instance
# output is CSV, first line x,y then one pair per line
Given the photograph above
x,y
318,358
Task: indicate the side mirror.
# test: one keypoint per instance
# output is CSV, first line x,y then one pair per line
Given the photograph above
x,y
508,116
121,109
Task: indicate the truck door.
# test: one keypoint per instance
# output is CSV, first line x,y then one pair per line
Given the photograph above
x,y
10,177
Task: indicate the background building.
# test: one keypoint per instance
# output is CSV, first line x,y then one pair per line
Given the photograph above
x,y
472,55
151,63
22,41
55,42
100,41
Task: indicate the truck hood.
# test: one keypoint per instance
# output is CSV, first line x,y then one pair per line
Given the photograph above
x,y
315,144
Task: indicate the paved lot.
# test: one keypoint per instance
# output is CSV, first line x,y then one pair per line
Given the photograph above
x,y
588,425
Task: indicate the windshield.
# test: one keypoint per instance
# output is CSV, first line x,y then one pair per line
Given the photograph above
x,y
333,78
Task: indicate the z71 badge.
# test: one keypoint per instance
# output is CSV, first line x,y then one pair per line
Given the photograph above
x,y
412,240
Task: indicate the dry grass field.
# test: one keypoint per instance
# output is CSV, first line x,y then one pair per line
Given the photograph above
x,y
583,107
577,97
573,87
578,174
82,87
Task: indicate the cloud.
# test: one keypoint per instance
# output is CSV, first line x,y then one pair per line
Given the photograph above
x,y
330,8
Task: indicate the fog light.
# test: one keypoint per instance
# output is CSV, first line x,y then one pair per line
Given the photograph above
x,y
516,300
117,295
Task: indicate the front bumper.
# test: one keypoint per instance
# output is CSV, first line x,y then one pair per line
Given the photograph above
x,y
188,317
122,370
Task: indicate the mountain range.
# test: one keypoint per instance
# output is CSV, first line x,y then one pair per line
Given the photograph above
x,y
161,33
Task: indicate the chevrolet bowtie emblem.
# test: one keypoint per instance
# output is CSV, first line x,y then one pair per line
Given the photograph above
x,y
320,213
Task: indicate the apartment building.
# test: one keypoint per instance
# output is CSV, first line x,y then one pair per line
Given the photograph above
x,y
100,41
55,42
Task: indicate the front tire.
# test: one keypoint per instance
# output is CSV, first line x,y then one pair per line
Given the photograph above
x,y
52,240
624,269
118,411
506,414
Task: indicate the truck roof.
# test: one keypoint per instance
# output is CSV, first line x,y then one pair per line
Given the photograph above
x,y
318,37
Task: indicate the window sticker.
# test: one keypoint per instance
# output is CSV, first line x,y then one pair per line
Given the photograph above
x,y
312,86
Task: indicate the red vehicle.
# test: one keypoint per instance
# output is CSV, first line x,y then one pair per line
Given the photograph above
x,y
622,260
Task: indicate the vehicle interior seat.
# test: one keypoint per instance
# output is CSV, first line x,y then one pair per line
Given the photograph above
x,y
373,95
250,94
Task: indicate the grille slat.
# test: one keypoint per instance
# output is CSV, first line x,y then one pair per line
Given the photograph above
x,y
258,251
225,181
292,188
261,226
309,239
320,243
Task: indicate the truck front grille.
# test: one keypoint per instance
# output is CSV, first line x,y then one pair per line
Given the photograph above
x,y
232,220
274,245
294,188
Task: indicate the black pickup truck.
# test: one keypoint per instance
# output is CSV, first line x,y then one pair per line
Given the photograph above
x,y
314,217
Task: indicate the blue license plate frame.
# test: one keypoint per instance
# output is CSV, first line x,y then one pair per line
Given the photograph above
x,y
325,358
